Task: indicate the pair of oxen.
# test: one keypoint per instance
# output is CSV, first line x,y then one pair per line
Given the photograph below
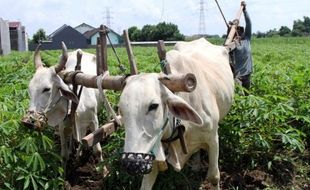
x,y
148,108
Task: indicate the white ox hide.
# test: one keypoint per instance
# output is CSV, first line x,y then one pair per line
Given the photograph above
x,y
145,104
51,96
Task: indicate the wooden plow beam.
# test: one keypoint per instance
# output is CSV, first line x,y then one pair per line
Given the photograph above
x,y
101,133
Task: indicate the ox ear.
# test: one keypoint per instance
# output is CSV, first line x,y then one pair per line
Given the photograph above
x,y
181,109
64,89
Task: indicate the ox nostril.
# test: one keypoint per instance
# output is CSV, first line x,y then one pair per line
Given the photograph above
x,y
27,123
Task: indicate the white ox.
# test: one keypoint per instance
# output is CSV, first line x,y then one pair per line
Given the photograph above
x,y
50,97
146,104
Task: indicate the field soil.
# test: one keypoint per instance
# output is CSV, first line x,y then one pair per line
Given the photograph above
x,y
84,176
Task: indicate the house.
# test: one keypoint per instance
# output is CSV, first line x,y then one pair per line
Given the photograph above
x,y
92,36
75,38
18,36
72,38
82,28
5,44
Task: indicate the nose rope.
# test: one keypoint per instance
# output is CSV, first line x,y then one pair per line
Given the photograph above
x,y
141,163
157,138
50,106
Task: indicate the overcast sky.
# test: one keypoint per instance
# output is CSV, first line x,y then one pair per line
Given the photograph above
x,y
52,14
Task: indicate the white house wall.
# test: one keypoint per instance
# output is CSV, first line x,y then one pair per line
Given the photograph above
x,y
5,43
82,29
112,37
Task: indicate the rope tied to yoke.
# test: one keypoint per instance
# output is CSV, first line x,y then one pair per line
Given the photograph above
x,y
103,98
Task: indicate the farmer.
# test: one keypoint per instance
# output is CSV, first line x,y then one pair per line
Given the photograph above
x,y
241,56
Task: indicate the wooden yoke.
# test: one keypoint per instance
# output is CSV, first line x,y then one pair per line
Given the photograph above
x,y
179,82
233,30
90,81
132,62
175,82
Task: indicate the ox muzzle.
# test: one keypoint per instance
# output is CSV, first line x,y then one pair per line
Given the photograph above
x,y
137,163
34,120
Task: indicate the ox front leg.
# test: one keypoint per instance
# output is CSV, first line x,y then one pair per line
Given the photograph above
x,y
149,179
213,171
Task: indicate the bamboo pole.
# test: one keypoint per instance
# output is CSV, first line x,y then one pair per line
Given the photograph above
x,y
132,61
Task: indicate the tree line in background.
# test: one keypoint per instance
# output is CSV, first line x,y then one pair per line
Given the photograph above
x,y
300,28
169,32
161,31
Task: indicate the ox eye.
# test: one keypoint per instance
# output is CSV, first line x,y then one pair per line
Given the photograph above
x,y
46,90
152,107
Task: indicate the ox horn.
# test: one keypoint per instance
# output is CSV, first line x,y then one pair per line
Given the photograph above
x,y
63,59
37,58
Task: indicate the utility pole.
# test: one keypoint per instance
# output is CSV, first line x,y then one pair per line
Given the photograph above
x,y
107,18
202,25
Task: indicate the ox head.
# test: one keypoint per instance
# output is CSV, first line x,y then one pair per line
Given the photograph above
x,y
49,95
145,104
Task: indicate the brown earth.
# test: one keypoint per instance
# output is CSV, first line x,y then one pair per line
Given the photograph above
x,y
84,176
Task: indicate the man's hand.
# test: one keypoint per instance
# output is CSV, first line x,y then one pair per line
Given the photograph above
x,y
244,5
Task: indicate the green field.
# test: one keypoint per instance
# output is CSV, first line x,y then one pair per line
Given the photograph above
x,y
268,131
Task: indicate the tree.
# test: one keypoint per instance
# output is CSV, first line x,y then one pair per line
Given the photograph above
x,y
167,31
307,24
298,28
39,36
260,34
134,33
284,31
147,32
272,33
161,31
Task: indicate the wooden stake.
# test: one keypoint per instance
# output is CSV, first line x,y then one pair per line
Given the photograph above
x,y
132,62
103,43
99,58
162,56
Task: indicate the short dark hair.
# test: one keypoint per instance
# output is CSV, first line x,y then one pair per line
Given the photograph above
x,y
240,30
